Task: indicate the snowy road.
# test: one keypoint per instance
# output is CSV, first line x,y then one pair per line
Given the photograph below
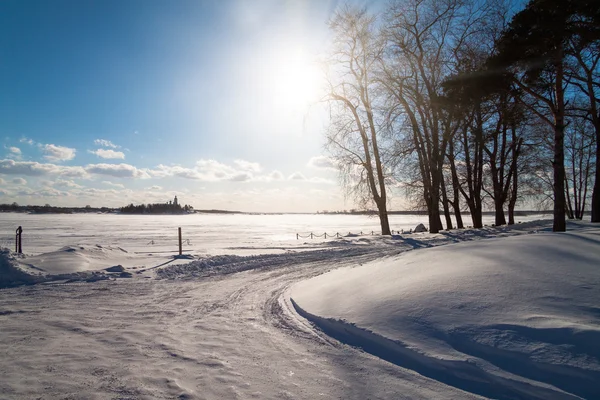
x,y
221,337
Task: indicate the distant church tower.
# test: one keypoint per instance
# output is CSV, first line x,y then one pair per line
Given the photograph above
x,y
175,201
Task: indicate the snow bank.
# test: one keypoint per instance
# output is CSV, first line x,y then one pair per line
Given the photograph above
x,y
73,263
71,259
515,317
223,264
11,274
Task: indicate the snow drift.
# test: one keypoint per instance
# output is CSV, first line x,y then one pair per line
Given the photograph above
x,y
506,318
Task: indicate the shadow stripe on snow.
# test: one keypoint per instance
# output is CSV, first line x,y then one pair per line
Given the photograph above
x,y
464,375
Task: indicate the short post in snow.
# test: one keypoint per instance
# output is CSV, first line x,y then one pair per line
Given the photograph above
x,y
179,229
18,247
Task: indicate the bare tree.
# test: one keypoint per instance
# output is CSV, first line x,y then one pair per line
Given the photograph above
x,y
425,38
355,132
579,157
538,47
583,73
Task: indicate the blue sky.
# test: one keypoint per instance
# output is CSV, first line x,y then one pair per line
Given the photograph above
x,y
111,102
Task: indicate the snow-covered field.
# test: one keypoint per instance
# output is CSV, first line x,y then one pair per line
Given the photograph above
x,y
251,312
203,234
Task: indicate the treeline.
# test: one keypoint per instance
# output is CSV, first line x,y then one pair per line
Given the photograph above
x,y
467,105
157,208
48,209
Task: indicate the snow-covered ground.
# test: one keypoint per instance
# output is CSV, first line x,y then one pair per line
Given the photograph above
x,y
498,312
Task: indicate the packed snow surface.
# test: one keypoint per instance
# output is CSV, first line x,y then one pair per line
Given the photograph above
x,y
94,310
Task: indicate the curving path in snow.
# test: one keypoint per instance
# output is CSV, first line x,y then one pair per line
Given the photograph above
x,y
227,336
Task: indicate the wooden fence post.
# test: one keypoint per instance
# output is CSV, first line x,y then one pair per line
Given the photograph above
x,y
179,240
18,247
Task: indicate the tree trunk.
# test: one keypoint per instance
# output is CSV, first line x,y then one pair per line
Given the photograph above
x,y
477,216
569,210
445,202
499,219
457,212
595,113
560,224
514,172
455,186
383,219
435,222
511,204
596,191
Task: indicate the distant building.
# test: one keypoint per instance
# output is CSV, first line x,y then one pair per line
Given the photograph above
x,y
175,201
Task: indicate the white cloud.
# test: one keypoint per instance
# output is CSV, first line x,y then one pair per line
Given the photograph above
x,y
297,176
58,153
321,162
105,143
317,179
31,168
93,192
15,150
241,177
2,181
49,192
14,153
72,172
164,171
210,171
19,181
276,176
66,184
117,185
117,170
213,170
155,187
26,140
107,153
248,166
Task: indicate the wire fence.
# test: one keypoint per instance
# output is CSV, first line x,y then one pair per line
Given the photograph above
x,y
325,235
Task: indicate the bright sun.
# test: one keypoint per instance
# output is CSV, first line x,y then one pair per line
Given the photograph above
x,y
295,79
